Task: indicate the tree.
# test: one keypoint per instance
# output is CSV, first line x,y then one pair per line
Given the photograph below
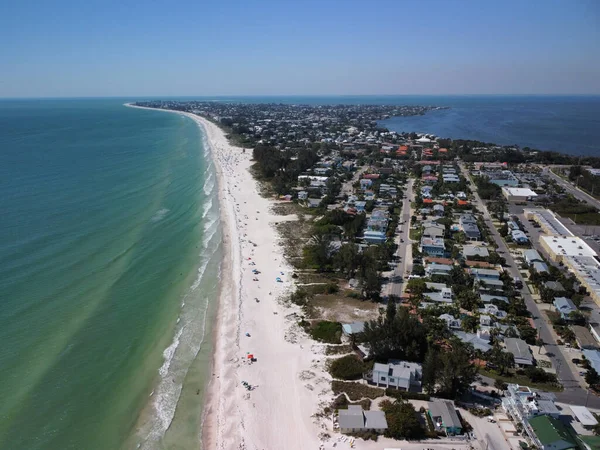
x,y
456,372
402,421
396,336
592,378
347,367
500,385
318,252
347,260
500,359
430,368
503,230
469,324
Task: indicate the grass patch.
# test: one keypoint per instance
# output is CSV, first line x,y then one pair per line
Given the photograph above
x,y
414,234
590,218
522,380
326,331
356,391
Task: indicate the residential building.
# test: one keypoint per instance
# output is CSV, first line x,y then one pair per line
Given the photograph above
x,y
451,322
433,231
444,296
354,419
523,403
314,202
401,375
374,237
488,298
514,194
554,285
540,267
520,350
437,269
564,306
365,183
532,256
485,274
551,434
584,417
478,341
473,251
519,237
450,178
444,417
360,206
493,310
438,210
432,246
468,225
584,338
302,195
593,358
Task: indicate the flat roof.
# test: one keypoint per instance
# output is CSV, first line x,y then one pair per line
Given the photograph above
x,y
568,246
519,192
584,415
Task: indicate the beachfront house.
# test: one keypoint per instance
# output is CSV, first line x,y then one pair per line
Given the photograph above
x,y
444,417
402,375
355,420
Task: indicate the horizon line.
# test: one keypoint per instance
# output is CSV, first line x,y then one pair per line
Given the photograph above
x,y
75,97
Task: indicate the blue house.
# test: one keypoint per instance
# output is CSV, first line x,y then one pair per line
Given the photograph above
x,y
564,306
432,246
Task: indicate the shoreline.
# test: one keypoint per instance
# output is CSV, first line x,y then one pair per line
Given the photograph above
x,y
251,319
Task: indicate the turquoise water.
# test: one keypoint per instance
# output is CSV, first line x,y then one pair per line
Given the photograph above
x,y
109,259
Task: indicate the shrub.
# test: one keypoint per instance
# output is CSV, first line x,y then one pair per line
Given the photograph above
x,y
347,367
356,391
341,402
326,331
400,395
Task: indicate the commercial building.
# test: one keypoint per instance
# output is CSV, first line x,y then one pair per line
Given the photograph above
x,y
514,194
547,222
501,177
587,271
560,247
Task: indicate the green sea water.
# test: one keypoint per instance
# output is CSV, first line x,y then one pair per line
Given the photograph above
x,y
109,267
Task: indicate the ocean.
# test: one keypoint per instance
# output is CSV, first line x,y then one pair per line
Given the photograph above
x,y
109,266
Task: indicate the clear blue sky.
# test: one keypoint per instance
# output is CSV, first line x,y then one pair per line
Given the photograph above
x,y
194,47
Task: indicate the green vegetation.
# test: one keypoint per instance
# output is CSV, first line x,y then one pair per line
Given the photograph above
x,y
341,402
449,372
356,391
402,420
580,212
326,331
348,367
520,377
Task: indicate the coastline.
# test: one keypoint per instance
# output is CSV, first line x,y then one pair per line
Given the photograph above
x,y
288,371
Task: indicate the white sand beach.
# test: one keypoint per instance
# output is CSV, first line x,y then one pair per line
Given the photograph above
x,y
288,377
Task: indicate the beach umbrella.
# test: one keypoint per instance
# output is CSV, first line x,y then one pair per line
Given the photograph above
x,y
250,356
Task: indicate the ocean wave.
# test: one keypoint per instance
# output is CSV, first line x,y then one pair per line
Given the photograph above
x,y
209,183
168,354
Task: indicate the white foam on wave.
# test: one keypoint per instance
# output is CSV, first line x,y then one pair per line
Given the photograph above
x,y
159,215
208,207
209,183
168,354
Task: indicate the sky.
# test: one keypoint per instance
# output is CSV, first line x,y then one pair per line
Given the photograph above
x,y
284,47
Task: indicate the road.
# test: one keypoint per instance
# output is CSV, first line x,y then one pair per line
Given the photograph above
x,y
404,251
572,393
575,191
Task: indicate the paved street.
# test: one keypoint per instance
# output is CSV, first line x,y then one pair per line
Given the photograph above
x,y
577,193
573,392
404,251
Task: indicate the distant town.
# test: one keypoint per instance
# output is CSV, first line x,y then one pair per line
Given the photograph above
x,y
456,283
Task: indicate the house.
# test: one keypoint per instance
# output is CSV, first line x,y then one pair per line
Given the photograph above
x,y
438,210
437,269
302,195
485,320
350,329
532,256
481,343
584,338
374,236
485,274
360,206
432,246
593,358
365,183
551,434
314,202
451,322
554,285
488,298
444,296
468,225
520,350
519,237
434,231
354,419
444,417
401,375
564,306
584,417
493,310
472,251
450,178
540,267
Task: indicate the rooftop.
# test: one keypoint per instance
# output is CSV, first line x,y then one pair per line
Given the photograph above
x,y
567,245
519,192
552,433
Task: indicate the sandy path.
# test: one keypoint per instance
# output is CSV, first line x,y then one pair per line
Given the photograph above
x,y
278,412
